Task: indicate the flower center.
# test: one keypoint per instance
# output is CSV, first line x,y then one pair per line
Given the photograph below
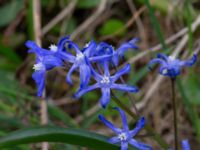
x,y
105,80
164,71
122,137
171,58
38,67
53,48
79,56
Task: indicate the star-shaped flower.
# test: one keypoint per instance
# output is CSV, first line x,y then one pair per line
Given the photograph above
x,y
106,82
104,48
124,135
45,60
170,66
82,60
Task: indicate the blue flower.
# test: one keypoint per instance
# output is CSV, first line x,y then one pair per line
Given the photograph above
x,y
124,135
82,60
170,66
104,48
45,60
106,82
185,144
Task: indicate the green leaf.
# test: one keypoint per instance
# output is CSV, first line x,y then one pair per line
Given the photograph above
x,y
192,112
112,26
57,134
9,54
88,3
9,11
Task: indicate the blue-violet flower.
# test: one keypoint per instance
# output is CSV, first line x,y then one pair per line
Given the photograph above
x,y
170,66
45,60
185,144
124,135
82,61
106,82
104,48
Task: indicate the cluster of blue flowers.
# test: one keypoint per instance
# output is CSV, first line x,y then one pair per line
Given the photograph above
x,y
95,60
100,56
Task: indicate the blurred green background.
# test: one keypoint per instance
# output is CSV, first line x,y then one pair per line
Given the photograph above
x,y
174,24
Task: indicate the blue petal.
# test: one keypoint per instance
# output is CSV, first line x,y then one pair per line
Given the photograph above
x,y
114,140
109,125
185,144
122,71
74,46
34,48
124,120
85,74
71,70
124,146
51,61
100,58
139,145
89,51
124,47
96,75
115,59
65,56
189,62
140,124
162,56
62,42
124,87
85,90
104,48
105,98
155,61
39,77
106,68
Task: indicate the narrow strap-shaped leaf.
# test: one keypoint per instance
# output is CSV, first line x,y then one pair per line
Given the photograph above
x,y
57,134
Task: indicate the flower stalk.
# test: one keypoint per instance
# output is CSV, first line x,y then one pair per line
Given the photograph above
x,y
175,121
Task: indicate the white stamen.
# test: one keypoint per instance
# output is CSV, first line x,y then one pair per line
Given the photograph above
x,y
87,44
164,71
53,47
39,66
105,80
79,56
122,137
172,58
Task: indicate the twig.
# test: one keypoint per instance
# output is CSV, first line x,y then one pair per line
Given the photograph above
x,y
65,12
37,31
90,20
168,41
88,113
37,21
134,18
139,23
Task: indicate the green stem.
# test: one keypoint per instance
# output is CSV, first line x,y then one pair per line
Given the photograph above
x,y
128,94
150,130
175,121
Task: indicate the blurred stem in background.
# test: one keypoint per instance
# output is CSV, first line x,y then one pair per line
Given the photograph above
x,y
37,32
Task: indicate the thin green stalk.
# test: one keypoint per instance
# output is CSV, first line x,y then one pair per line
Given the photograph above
x,y
128,94
175,121
149,129
156,25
